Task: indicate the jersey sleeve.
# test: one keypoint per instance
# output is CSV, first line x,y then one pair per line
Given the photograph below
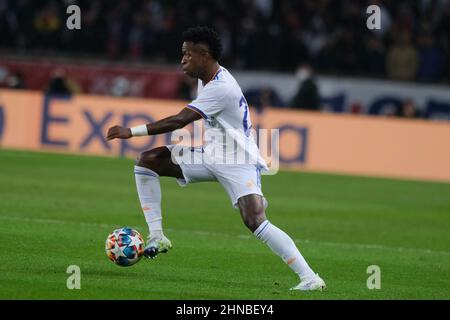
x,y
209,101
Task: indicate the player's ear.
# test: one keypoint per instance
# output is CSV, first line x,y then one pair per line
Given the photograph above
x,y
205,55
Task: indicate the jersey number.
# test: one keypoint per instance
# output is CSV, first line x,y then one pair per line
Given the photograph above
x,y
243,103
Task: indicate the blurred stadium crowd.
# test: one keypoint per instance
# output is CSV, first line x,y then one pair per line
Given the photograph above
x,y
331,35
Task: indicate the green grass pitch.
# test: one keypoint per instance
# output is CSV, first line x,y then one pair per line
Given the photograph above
x,y
57,210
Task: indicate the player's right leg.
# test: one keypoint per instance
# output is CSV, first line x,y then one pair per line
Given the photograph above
x,y
150,165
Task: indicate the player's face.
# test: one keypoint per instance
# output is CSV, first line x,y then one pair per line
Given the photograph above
x,y
194,59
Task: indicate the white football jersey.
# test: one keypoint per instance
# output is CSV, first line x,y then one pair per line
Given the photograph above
x,y
228,137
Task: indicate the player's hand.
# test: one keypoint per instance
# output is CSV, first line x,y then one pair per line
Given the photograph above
x,y
118,132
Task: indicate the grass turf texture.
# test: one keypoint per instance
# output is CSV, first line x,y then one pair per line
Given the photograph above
x,y
57,210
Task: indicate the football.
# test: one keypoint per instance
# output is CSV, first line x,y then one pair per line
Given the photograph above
x,y
124,246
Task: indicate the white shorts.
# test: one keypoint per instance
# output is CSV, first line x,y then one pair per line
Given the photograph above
x,y
238,180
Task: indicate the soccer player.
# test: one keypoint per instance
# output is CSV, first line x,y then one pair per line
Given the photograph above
x,y
223,107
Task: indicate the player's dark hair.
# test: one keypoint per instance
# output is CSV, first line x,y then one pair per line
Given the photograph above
x,y
206,36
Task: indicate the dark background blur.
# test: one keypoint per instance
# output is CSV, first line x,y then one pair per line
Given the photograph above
x,y
413,44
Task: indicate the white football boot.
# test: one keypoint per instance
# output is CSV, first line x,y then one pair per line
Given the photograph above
x,y
156,244
311,283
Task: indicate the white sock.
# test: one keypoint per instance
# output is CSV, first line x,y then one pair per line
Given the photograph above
x,y
149,191
283,246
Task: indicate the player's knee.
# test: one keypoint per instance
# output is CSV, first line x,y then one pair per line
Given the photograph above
x,y
253,223
253,217
147,159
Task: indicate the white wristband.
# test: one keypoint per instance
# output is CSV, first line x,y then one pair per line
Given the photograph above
x,y
139,131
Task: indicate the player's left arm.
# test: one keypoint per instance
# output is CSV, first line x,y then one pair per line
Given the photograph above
x,y
169,124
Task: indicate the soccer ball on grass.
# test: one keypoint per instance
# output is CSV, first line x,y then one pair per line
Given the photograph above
x,y
124,246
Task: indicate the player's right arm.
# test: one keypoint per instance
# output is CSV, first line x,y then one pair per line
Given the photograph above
x,y
165,125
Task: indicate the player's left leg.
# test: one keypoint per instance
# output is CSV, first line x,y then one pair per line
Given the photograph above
x,y
243,185
252,211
